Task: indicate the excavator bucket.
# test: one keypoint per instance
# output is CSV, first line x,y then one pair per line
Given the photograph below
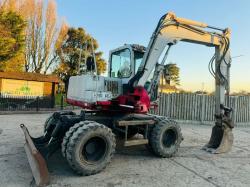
x,y
221,140
37,162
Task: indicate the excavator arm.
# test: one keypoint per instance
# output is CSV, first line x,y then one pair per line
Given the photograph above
x,y
169,31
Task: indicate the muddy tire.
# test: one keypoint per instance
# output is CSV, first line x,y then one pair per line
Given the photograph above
x,y
165,138
48,121
53,121
68,134
90,147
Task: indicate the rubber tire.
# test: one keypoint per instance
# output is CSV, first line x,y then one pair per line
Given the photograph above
x,y
155,140
51,120
47,122
69,133
85,131
67,136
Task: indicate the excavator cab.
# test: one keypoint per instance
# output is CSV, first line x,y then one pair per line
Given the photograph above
x,y
125,61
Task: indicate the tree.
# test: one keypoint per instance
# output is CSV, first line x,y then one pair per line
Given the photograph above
x,y
12,37
43,32
171,72
78,43
15,64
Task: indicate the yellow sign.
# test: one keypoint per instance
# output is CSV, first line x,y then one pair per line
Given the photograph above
x,y
22,87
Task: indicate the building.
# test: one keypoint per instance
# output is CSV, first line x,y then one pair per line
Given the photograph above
x,y
25,91
27,84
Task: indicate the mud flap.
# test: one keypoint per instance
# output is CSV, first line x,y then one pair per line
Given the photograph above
x,y
37,162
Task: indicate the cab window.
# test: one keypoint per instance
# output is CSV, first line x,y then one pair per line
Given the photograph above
x,y
138,59
121,64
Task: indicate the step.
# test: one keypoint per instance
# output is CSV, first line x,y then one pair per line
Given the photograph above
x,y
135,122
135,142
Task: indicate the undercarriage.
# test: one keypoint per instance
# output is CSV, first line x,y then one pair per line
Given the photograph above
x,y
88,140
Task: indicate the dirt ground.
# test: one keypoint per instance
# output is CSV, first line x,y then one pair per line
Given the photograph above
x,y
133,166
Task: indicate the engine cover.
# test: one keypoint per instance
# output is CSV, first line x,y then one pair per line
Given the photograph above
x,y
91,88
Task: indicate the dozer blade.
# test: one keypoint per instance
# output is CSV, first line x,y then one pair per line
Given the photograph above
x,y
221,140
37,162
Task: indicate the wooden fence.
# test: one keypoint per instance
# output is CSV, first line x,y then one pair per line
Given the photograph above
x,y
195,107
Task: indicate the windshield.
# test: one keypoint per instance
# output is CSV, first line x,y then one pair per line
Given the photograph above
x,y
121,64
138,59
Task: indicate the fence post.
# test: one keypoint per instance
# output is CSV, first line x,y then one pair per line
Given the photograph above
x,y
37,104
168,104
202,105
235,110
62,99
52,104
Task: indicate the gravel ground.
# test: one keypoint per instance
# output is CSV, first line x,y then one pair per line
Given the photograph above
x,y
133,166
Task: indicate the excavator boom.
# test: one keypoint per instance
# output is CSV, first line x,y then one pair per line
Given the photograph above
x,y
170,30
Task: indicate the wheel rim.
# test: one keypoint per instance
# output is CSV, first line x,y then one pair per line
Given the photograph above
x,y
94,150
169,138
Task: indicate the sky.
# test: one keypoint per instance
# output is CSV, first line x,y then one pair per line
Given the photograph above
x,y
116,22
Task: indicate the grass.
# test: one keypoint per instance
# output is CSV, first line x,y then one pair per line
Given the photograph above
x,y
58,98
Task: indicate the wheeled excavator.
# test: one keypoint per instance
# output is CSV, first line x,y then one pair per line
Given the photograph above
x,y
119,105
